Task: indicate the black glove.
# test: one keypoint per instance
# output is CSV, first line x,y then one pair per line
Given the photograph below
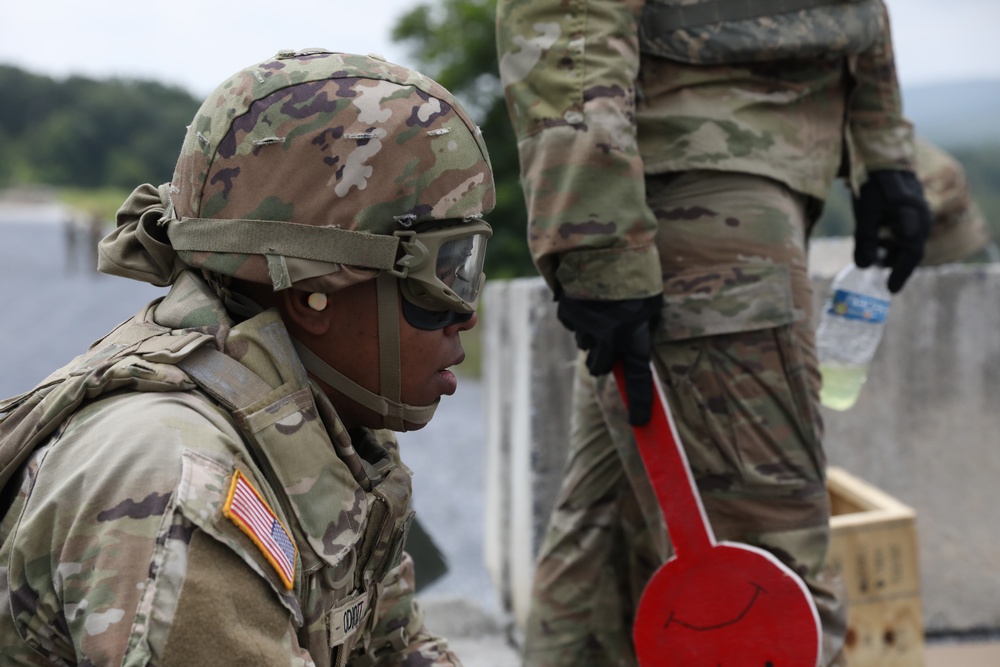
x,y
893,199
612,330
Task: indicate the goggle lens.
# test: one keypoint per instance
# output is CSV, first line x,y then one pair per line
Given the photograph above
x,y
460,264
441,272
432,320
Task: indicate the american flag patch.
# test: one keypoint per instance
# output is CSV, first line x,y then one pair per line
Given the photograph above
x,y
251,513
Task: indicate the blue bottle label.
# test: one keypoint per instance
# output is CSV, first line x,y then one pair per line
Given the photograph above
x,y
853,306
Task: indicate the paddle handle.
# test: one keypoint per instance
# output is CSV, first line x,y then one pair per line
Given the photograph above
x,y
667,468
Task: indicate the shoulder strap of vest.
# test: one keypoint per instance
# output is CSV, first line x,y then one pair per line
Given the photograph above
x,y
224,379
663,17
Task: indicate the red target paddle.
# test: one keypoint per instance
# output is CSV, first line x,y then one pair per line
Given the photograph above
x,y
712,604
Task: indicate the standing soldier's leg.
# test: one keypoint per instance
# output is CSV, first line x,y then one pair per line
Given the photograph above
x,y
597,550
737,353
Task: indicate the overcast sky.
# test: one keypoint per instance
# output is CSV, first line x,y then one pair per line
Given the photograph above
x,y
197,44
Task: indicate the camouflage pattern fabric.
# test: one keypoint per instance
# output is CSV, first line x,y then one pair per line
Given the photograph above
x,y
312,138
737,358
118,549
593,116
618,150
739,32
959,230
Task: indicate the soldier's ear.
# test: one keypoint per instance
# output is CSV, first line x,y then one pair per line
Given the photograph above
x,y
306,310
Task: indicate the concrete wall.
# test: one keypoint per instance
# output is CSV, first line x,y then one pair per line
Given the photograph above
x,y
926,430
527,371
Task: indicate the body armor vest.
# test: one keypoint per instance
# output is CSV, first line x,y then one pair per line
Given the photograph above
x,y
335,594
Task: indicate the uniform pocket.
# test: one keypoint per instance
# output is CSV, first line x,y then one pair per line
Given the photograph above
x,y
724,299
730,347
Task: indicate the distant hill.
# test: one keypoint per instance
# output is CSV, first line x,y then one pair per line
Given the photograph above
x,y
963,114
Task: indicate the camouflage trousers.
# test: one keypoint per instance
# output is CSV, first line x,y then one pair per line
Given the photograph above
x,y
736,356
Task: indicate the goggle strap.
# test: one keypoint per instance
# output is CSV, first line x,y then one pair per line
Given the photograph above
x,y
415,414
388,343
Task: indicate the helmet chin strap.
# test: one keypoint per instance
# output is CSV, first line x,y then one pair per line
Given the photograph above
x,y
388,404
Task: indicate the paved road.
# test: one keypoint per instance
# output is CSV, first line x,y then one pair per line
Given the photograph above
x,y
52,311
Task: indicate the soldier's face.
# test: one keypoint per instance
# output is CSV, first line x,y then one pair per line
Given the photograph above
x,y
350,345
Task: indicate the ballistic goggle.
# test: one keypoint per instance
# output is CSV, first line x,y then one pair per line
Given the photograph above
x,y
441,272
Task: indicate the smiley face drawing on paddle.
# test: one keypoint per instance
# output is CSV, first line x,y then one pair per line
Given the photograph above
x,y
729,606
713,604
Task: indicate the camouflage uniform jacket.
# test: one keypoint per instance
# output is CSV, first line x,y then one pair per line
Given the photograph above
x,y
593,115
156,525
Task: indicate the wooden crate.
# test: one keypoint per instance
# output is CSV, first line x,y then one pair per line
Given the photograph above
x,y
874,548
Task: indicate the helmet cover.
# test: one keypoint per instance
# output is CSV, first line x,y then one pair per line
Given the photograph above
x,y
327,139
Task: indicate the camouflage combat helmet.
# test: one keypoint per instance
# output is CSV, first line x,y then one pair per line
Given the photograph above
x,y
318,170
327,140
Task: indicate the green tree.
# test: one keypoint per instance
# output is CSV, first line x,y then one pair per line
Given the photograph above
x,y
6,158
454,43
89,133
27,99
66,149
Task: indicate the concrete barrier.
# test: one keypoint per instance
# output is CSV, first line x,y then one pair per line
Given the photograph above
x,y
527,373
926,430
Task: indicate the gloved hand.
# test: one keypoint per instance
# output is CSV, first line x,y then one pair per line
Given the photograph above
x,y
612,330
893,199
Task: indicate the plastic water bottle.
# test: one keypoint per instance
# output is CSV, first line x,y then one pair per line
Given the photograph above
x,y
850,328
